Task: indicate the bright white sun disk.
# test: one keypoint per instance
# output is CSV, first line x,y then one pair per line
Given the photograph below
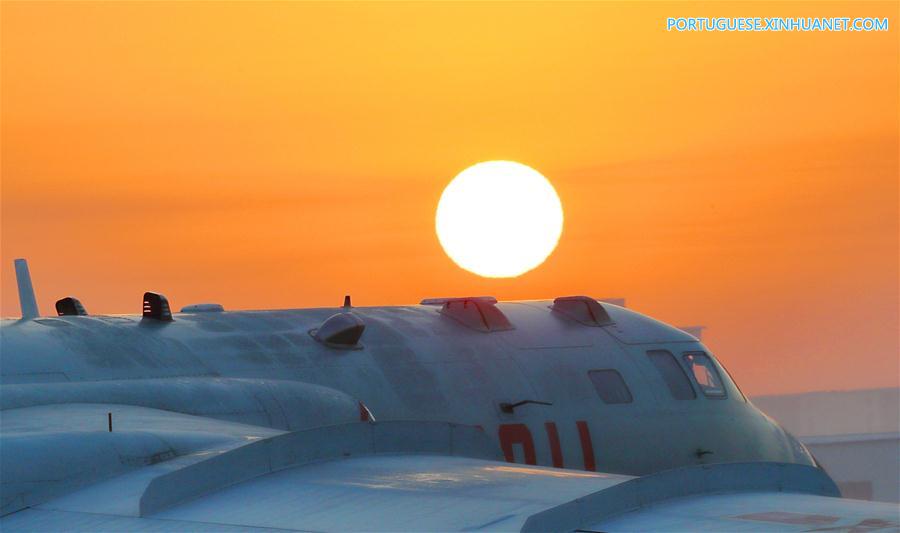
x,y
499,219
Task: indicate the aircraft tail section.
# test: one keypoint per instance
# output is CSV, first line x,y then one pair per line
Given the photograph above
x,y
27,301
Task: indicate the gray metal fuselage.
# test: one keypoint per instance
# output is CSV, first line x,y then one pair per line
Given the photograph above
x,y
264,368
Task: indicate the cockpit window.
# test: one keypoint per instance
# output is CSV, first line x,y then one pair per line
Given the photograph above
x,y
610,386
706,374
672,374
733,382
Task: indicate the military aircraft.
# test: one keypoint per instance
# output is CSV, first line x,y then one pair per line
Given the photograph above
x,y
458,414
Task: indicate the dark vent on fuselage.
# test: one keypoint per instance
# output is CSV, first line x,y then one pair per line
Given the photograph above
x,y
479,313
70,306
156,307
342,330
582,309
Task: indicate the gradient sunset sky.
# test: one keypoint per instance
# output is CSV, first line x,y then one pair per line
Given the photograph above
x,y
274,155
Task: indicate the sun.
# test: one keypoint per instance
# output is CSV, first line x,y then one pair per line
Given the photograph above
x,y
499,219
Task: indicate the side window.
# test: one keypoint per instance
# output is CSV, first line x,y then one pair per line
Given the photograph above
x,y
672,374
610,386
704,371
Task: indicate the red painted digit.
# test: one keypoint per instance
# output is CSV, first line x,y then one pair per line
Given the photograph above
x,y
511,434
587,447
553,437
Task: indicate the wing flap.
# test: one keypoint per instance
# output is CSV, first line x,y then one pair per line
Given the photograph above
x,y
680,483
309,446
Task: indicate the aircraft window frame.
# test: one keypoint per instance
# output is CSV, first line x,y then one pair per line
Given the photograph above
x,y
603,389
668,375
710,369
733,382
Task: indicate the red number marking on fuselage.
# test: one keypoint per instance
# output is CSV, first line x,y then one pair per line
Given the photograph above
x,y
587,446
512,434
553,437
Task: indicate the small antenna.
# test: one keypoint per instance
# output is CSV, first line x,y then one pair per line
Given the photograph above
x,y
347,302
26,290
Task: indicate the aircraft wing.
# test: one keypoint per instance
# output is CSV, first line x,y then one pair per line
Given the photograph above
x,y
160,470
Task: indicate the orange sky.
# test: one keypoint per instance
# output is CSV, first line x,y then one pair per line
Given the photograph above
x,y
282,155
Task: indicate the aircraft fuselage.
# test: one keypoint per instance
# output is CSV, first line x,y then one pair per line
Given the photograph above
x,y
412,363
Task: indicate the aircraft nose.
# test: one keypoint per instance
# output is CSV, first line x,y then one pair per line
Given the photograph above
x,y
800,452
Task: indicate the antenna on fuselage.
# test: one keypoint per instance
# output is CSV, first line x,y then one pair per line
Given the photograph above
x,y
26,290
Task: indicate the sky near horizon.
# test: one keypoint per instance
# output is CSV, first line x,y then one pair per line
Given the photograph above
x,y
272,155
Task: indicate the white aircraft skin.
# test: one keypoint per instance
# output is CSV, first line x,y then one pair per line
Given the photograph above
x,y
211,381
415,364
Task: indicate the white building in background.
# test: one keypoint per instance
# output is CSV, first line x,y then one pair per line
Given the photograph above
x,y
855,436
